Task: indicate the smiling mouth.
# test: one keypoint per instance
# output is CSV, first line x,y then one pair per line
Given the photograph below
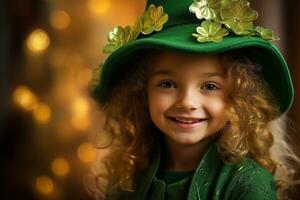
x,y
186,120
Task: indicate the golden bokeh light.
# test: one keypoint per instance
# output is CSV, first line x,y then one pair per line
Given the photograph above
x,y
80,106
42,113
44,185
60,19
60,166
25,98
38,41
99,7
80,114
86,152
84,76
81,123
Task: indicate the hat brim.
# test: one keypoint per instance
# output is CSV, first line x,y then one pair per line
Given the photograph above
x,y
179,38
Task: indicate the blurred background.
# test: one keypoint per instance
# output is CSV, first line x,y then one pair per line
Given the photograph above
x,y
48,51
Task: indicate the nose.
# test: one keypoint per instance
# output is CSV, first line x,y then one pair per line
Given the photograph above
x,y
188,99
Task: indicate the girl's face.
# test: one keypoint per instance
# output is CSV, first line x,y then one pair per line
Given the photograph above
x,y
186,96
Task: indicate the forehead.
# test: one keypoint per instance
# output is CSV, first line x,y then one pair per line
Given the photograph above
x,y
171,62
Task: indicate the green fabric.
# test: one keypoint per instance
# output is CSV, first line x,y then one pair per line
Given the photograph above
x,y
173,185
212,180
177,35
173,176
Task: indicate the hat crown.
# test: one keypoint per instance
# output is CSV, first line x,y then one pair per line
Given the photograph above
x,y
177,10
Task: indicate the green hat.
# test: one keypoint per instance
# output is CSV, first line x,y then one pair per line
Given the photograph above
x,y
201,26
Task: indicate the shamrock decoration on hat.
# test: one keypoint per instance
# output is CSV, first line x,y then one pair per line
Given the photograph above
x,y
222,17
152,20
218,18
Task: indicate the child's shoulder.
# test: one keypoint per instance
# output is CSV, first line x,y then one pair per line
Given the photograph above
x,y
249,180
215,179
249,166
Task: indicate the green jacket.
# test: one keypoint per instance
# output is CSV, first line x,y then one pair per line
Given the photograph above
x,y
213,179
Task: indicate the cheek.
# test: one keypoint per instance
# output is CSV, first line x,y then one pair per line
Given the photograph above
x,y
217,107
217,113
158,102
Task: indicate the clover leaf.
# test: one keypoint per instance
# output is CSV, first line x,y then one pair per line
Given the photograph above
x,y
210,31
227,3
136,29
154,19
207,9
117,38
266,34
239,17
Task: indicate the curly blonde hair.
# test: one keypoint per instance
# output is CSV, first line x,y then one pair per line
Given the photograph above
x,y
255,130
250,131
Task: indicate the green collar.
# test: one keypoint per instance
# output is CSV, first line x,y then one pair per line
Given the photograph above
x,y
204,172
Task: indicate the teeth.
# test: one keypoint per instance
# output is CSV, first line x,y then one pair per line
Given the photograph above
x,y
189,121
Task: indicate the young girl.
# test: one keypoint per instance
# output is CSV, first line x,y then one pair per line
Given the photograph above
x,y
191,115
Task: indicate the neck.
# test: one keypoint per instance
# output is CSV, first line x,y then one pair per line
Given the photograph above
x,y
181,157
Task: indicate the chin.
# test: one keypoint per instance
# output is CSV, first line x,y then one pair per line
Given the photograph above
x,y
188,141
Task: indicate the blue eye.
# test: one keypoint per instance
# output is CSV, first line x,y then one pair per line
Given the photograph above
x,y
167,84
210,87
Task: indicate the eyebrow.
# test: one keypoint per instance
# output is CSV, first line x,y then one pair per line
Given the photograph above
x,y
170,72
162,72
211,74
